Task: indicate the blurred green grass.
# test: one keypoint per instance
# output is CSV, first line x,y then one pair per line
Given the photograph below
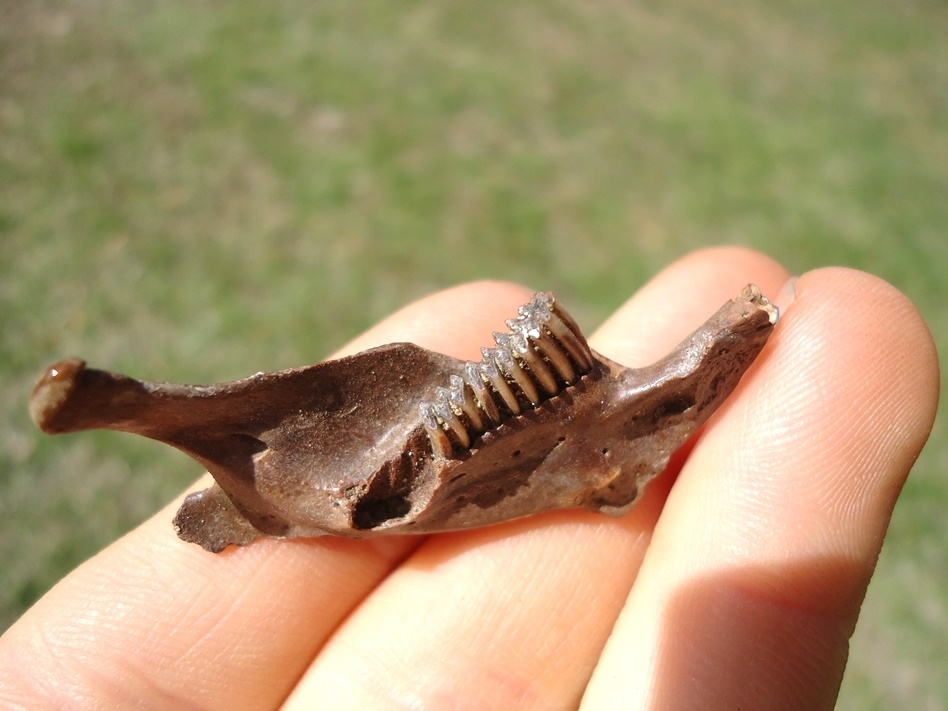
x,y
196,191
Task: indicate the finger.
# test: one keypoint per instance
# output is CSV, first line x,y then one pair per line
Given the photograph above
x,y
154,619
751,586
514,616
680,299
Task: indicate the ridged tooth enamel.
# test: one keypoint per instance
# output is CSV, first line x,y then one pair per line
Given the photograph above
x,y
538,306
491,370
543,351
577,350
583,353
475,381
509,368
560,357
462,400
561,325
525,324
522,348
441,407
449,417
514,369
547,345
440,442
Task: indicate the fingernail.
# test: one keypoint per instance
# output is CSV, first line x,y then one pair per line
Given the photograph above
x,y
788,293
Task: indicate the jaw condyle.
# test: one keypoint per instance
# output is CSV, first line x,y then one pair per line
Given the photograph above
x,y
399,439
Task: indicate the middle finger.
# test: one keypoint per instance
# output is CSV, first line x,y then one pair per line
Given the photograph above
x,y
515,615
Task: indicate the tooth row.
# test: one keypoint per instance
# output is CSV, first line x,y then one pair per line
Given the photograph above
x,y
544,352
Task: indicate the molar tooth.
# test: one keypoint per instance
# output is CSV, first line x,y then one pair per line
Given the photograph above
x,y
550,349
534,322
490,369
440,443
443,411
576,350
503,355
574,344
548,314
461,399
517,342
568,319
428,416
473,375
455,393
520,345
507,361
446,413
538,306
528,325
442,406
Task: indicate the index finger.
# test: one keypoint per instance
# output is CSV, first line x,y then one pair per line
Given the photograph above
x,y
153,618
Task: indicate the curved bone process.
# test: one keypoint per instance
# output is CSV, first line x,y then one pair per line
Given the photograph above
x,y
399,439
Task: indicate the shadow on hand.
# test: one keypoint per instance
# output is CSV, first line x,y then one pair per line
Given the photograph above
x,y
759,638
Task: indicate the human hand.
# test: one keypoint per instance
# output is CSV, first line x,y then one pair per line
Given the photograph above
x,y
735,583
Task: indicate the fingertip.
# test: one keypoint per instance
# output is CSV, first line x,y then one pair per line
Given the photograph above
x,y
786,295
734,255
861,347
871,328
809,456
681,297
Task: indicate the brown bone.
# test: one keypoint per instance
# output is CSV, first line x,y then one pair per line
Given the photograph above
x,y
385,442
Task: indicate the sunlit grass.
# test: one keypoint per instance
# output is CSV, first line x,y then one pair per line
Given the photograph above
x,y
197,191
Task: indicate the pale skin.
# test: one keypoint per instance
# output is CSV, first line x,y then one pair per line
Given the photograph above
x,y
736,583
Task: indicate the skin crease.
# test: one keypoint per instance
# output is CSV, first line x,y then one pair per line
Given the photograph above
x,y
734,584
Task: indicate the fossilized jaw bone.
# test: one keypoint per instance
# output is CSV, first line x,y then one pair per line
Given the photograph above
x,y
544,353
399,439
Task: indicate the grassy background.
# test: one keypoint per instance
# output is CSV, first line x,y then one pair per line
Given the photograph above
x,y
198,190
